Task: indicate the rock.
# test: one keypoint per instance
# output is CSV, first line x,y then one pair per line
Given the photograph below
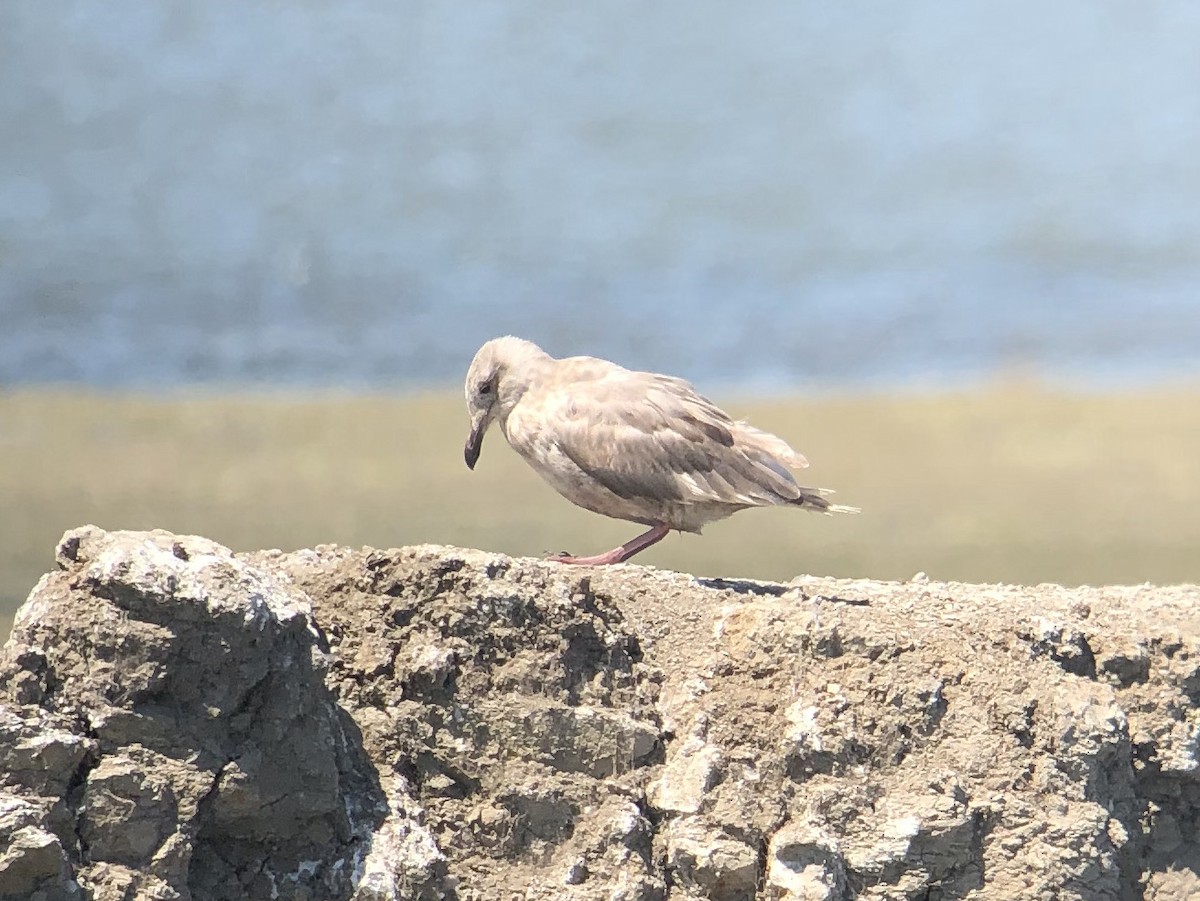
x,y
805,863
33,863
193,748
178,721
692,768
709,862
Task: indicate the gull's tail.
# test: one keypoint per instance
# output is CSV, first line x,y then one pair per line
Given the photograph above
x,y
814,499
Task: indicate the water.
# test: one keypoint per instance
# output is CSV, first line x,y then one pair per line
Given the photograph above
x,y
761,194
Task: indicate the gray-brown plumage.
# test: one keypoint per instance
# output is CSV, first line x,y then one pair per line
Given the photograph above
x,y
632,445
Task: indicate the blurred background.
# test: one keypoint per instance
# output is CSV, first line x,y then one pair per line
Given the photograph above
x,y
951,252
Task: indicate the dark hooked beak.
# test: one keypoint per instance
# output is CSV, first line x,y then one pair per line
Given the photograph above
x,y
474,444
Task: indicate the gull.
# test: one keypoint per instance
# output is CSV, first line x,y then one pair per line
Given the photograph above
x,y
637,446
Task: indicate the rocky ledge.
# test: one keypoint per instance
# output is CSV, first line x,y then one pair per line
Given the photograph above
x,y
179,721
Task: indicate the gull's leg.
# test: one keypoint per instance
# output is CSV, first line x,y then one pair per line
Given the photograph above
x,y
622,553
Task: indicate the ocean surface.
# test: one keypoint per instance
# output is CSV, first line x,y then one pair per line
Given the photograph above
x,y
773,196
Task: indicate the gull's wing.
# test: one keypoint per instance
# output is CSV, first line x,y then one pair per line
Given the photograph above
x,y
651,437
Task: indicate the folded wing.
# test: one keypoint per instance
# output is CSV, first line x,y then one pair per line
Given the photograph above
x,y
652,437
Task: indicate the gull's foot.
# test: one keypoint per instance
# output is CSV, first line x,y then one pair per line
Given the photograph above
x,y
622,553
613,556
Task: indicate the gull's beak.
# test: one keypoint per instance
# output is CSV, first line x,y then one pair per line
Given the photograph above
x,y
474,442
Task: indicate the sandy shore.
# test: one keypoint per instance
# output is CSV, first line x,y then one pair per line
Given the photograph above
x,y
1012,483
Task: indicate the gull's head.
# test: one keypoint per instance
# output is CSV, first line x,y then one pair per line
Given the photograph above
x,y
498,376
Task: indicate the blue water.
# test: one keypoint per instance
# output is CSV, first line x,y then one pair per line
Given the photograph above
x,y
761,194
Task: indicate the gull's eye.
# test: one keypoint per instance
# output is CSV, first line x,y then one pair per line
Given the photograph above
x,y
483,389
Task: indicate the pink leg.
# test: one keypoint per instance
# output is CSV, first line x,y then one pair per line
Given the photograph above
x,y
622,553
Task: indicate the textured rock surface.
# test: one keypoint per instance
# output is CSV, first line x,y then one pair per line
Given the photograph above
x,y
177,721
